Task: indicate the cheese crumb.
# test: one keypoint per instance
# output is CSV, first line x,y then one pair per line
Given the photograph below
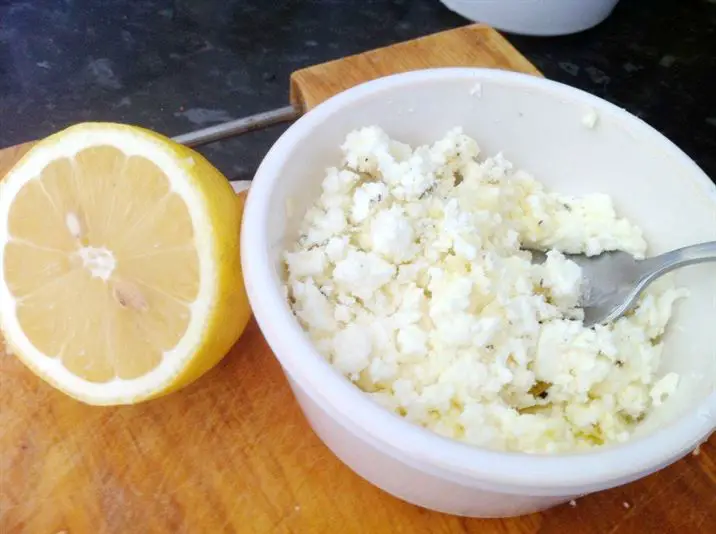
x,y
590,118
476,90
664,388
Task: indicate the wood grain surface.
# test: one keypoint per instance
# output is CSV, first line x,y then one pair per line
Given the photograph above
x,y
233,454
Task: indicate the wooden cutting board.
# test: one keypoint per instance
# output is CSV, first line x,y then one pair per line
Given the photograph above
x,y
233,454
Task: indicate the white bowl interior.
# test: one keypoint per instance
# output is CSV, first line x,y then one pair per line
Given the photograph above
x,y
540,129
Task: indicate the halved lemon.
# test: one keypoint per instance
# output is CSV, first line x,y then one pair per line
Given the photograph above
x,y
121,278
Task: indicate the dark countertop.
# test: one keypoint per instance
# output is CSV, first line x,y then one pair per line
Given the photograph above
x,y
178,65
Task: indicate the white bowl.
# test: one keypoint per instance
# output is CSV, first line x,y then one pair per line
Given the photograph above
x,y
535,17
538,124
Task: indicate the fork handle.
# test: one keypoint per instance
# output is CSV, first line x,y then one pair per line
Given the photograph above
x,y
681,257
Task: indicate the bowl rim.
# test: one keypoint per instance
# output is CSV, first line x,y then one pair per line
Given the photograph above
x,y
539,473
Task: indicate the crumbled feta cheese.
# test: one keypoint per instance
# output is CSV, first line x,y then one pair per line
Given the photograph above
x,y
351,350
364,198
412,340
411,278
664,388
392,235
476,90
335,250
312,306
362,273
306,262
590,118
563,278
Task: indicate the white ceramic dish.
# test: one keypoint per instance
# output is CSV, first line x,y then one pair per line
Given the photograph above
x,y
538,124
535,17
